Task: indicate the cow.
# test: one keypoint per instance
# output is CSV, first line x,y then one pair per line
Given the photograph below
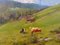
x,y
48,39
34,30
22,31
30,18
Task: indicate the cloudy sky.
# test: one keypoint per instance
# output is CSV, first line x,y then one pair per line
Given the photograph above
x,y
26,1
43,2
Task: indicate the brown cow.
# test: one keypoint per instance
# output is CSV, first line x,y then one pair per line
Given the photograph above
x,y
30,18
35,30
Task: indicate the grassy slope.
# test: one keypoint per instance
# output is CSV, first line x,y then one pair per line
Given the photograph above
x,y
47,20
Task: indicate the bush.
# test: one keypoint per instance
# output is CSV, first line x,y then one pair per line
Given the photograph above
x,y
33,39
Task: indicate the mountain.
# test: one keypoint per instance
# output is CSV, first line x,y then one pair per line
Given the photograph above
x,y
28,5
5,4
6,7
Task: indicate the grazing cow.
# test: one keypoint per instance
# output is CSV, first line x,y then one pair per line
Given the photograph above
x,y
47,39
35,30
55,31
30,18
22,30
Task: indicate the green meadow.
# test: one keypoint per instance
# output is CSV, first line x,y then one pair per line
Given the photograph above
x,y
47,19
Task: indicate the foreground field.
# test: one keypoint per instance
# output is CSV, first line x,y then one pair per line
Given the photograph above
x,y
47,20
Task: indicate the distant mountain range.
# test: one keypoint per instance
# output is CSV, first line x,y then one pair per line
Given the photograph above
x,y
5,4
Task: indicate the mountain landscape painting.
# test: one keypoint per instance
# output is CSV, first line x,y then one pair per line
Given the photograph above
x,y
29,22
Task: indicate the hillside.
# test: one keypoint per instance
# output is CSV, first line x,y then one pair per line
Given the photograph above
x,y
26,8
47,20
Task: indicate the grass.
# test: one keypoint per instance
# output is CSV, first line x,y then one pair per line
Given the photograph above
x,y
47,20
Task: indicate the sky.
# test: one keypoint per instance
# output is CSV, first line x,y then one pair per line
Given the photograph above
x,y
42,2
26,1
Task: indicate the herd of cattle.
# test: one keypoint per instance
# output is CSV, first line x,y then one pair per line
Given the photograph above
x,y
35,30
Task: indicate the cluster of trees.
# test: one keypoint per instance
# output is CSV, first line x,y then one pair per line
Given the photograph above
x,y
16,14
